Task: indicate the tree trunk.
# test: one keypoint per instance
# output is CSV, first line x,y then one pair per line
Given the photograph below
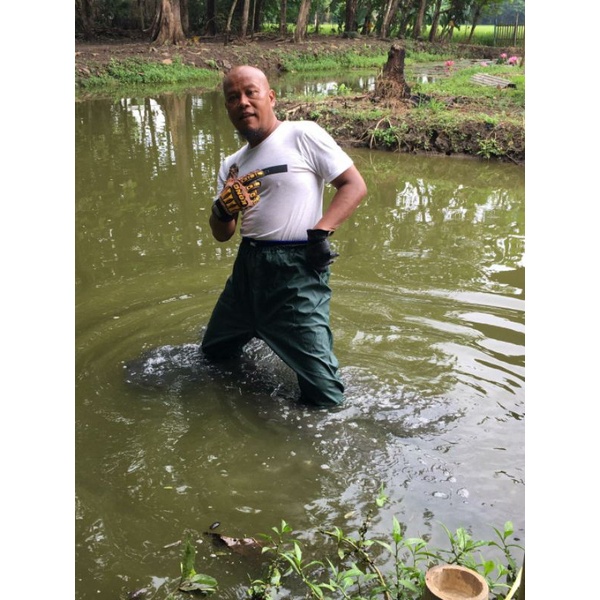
x,y
435,21
367,25
406,9
300,33
451,26
257,16
350,24
185,17
229,19
245,19
85,10
283,18
211,18
391,83
388,16
474,22
138,12
419,20
168,29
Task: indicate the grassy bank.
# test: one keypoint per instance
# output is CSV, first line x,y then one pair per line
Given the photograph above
x,y
135,74
447,113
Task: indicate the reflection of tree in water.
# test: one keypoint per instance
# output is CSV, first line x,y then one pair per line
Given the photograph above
x,y
146,170
458,227
436,230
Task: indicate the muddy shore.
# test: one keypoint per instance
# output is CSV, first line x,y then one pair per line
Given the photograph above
x,y
346,118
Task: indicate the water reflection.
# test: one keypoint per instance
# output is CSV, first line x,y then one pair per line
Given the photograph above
x,y
428,318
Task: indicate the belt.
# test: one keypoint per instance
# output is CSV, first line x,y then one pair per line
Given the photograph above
x,y
270,243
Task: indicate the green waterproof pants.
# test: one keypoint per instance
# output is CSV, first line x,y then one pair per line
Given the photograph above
x,y
272,294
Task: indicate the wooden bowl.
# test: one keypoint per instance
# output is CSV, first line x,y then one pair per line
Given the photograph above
x,y
452,582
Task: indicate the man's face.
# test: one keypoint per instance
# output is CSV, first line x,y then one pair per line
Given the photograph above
x,y
249,102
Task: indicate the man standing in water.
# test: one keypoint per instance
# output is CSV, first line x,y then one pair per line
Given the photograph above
x,y
279,288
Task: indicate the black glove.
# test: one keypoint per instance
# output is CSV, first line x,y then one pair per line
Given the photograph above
x,y
318,251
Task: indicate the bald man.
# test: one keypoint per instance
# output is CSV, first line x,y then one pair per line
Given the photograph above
x,y
279,287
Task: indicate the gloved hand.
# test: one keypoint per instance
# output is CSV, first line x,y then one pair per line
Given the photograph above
x,y
318,250
237,194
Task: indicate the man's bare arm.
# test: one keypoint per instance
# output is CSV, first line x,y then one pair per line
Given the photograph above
x,y
350,191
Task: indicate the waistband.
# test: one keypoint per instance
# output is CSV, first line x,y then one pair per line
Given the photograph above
x,y
271,243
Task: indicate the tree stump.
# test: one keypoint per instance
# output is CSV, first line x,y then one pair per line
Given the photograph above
x,y
391,82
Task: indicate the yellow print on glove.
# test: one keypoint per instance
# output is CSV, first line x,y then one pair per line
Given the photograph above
x,y
240,193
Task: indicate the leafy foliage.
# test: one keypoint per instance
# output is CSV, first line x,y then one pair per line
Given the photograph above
x,y
353,569
361,566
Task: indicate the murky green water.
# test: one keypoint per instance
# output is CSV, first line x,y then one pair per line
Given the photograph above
x,y
428,319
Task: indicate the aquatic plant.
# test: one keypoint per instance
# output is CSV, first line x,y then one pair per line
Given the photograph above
x,y
360,565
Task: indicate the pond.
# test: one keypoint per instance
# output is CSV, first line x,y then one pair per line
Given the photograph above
x,y
428,320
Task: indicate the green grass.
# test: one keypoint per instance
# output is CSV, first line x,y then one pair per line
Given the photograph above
x,y
416,56
135,72
368,58
459,84
336,59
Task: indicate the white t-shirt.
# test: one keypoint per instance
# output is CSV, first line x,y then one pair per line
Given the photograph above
x,y
292,201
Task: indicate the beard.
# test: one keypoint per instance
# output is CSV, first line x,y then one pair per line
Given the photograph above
x,y
252,136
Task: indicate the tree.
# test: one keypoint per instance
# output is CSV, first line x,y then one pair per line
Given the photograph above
x,y
257,15
211,17
389,14
407,11
245,18
367,25
350,22
167,27
229,19
283,18
420,20
477,8
185,19
84,12
455,16
435,20
302,21
481,6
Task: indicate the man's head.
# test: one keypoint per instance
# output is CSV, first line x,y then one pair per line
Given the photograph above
x,y
250,102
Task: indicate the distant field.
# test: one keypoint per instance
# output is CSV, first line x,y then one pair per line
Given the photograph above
x,y
483,34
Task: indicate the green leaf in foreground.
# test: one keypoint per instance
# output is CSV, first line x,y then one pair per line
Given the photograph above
x,y
199,583
190,580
